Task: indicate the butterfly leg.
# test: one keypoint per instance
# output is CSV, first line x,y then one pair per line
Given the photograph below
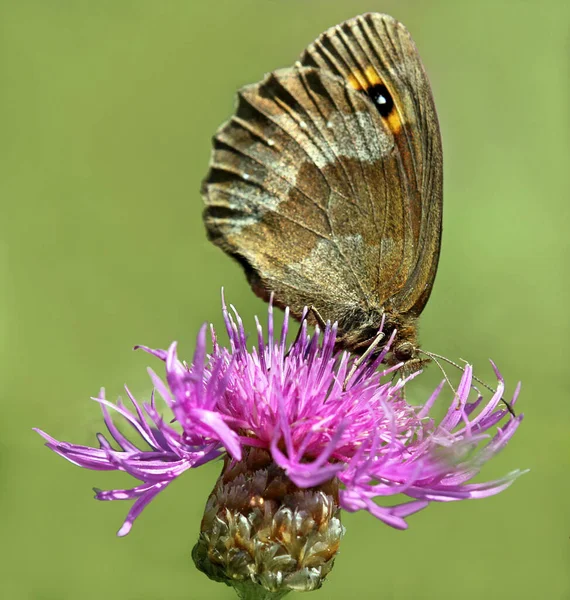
x,y
396,374
318,318
363,358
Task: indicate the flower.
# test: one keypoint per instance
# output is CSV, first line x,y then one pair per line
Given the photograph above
x,y
299,443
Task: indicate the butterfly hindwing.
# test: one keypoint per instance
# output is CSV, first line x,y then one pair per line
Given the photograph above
x,y
370,52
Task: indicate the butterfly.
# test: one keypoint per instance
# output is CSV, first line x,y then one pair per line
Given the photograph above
x,y
326,185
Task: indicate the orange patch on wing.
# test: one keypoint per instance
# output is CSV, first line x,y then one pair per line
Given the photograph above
x,y
394,121
372,76
365,80
356,80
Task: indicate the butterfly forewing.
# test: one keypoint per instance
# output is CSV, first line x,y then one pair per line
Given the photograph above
x,y
371,51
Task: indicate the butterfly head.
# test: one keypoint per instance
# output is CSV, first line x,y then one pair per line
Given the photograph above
x,y
404,347
361,329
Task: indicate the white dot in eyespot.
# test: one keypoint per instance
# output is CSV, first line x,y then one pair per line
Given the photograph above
x,y
329,124
381,100
245,176
302,125
270,142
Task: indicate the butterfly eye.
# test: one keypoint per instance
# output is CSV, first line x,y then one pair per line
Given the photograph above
x,y
405,351
382,99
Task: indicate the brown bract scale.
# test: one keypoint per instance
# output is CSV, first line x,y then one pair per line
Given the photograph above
x,y
326,184
263,535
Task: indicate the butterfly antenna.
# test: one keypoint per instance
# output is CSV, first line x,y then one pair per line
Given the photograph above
x,y
434,356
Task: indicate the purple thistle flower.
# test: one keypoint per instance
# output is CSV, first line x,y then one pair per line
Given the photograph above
x,y
283,419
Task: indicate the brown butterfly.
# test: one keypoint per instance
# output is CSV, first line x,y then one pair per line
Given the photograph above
x,y
326,185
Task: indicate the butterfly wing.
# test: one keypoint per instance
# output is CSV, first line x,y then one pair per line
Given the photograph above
x,y
371,51
310,190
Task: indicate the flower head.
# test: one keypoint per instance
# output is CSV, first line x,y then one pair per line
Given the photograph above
x,y
299,443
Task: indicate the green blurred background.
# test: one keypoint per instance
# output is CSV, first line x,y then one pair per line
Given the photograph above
x,y
107,112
